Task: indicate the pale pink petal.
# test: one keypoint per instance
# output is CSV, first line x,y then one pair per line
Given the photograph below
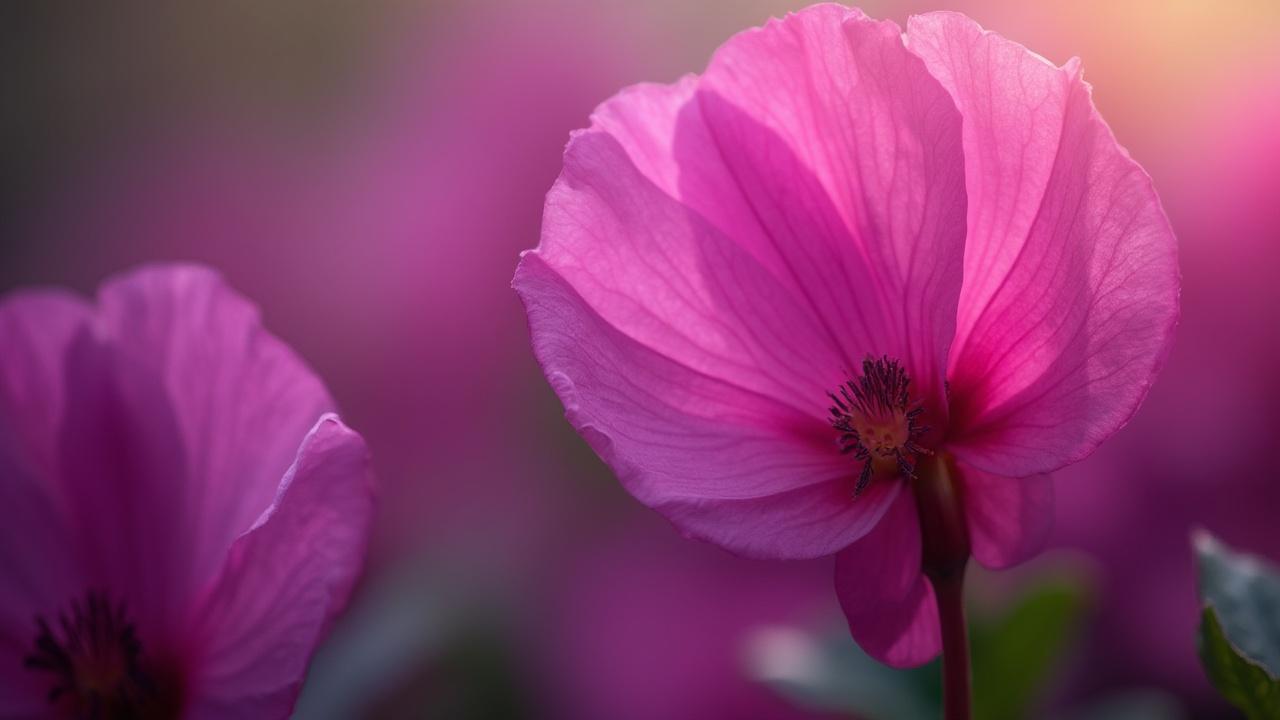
x,y
38,571
1071,284
848,157
659,273
284,580
241,397
1009,518
722,462
885,597
719,253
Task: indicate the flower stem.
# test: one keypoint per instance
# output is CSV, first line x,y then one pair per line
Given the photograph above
x,y
945,548
949,592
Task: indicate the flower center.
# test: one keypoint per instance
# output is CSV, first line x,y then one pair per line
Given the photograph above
x,y
877,423
96,663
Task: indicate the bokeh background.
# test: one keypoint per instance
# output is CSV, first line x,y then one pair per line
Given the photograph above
x,y
368,173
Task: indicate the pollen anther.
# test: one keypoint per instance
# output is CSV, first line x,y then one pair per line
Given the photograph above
x,y
92,655
877,423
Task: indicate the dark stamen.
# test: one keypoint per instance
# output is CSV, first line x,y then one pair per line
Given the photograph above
x,y
871,415
95,660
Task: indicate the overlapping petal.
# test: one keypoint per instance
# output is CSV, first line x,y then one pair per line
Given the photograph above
x,y
241,397
38,568
122,476
1071,281
713,260
661,274
884,595
285,579
850,156
1009,518
723,462
184,410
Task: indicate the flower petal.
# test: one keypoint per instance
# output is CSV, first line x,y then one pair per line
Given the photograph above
x,y
285,579
708,270
848,157
1071,283
722,462
122,475
187,413
1009,518
662,275
36,328
885,597
242,398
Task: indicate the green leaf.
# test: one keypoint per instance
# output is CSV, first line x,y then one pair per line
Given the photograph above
x,y
1245,591
1242,681
1015,654
828,672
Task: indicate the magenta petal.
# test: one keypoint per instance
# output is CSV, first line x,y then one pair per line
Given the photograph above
x,y
122,478
184,408
662,275
36,329
285,579
719,253
239,399
848,155
722,462
885,597
1070,281
1009,518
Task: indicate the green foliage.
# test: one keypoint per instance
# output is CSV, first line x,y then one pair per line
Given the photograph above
x,y
1242,681
1240,627
831,674
1014,655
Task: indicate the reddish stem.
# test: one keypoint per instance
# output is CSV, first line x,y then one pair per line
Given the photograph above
x,y
944,555
956,684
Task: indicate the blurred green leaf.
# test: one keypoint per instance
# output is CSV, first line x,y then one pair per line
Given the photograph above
x,y
1240,626
1014,654
829,672
418,643
1245,683
1245,591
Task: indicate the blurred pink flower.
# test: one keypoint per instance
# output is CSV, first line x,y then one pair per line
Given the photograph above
x,y
182,514
721,252
403,302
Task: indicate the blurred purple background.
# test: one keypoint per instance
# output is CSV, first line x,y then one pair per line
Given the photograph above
x,y
368,173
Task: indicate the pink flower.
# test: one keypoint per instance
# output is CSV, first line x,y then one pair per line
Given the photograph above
x,y
937,226
408,235
181,514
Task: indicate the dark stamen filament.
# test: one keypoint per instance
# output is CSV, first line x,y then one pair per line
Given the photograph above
x,y
875,425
